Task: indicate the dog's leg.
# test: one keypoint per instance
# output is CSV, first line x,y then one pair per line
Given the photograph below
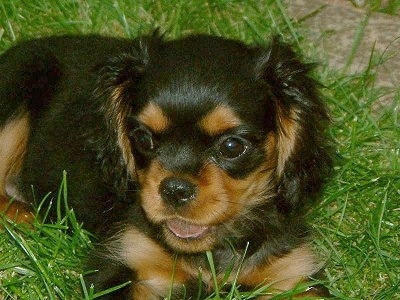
x,y
284,273
28,75
132,255
16,211
14,138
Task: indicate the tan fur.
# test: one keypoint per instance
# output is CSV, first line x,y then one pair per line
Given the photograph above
x,y
154,118
14,138
283,273
219,120
151,200
157,270
116,112
289,130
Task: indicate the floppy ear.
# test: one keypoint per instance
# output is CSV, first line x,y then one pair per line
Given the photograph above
x,y
116,88
303,152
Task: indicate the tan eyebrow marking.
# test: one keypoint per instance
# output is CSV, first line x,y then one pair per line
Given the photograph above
x,y
220,119
154,118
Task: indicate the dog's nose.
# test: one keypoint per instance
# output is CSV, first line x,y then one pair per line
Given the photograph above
x,y
177,191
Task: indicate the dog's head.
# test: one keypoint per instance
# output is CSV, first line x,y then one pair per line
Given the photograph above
x,y
218,134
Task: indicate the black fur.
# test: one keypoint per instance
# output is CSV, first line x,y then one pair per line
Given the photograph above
x,y
54,80
66,83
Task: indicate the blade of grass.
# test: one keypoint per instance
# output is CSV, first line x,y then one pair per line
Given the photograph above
x,y
214,275
356,42
41,270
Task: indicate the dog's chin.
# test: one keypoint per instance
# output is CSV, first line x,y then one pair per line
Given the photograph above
x,y
188,237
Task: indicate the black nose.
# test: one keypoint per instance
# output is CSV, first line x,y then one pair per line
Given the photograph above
x,y
177,191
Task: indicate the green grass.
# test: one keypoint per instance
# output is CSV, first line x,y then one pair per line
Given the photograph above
x,y
356,225
391,7
358,221
43,261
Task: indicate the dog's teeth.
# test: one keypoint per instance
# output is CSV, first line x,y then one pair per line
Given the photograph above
x,y
185,229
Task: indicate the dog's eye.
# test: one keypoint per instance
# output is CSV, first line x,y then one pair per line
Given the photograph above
x,y
143,140
232,147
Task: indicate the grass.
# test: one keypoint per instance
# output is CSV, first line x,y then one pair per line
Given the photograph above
x,y
356,225
391,7
42,261
358,219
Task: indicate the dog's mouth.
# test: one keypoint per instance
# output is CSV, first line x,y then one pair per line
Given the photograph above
x,y
186,230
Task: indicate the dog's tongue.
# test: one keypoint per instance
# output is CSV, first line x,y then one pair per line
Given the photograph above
x,y
185,229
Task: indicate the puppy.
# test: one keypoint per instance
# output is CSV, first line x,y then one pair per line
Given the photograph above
x,y
173,149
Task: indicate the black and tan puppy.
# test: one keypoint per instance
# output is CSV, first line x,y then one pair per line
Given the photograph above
x,y
172,148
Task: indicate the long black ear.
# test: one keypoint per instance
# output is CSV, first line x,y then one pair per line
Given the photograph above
x,y
303,150
116,88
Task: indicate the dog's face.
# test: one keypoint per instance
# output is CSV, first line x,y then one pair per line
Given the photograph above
x,y
215,132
